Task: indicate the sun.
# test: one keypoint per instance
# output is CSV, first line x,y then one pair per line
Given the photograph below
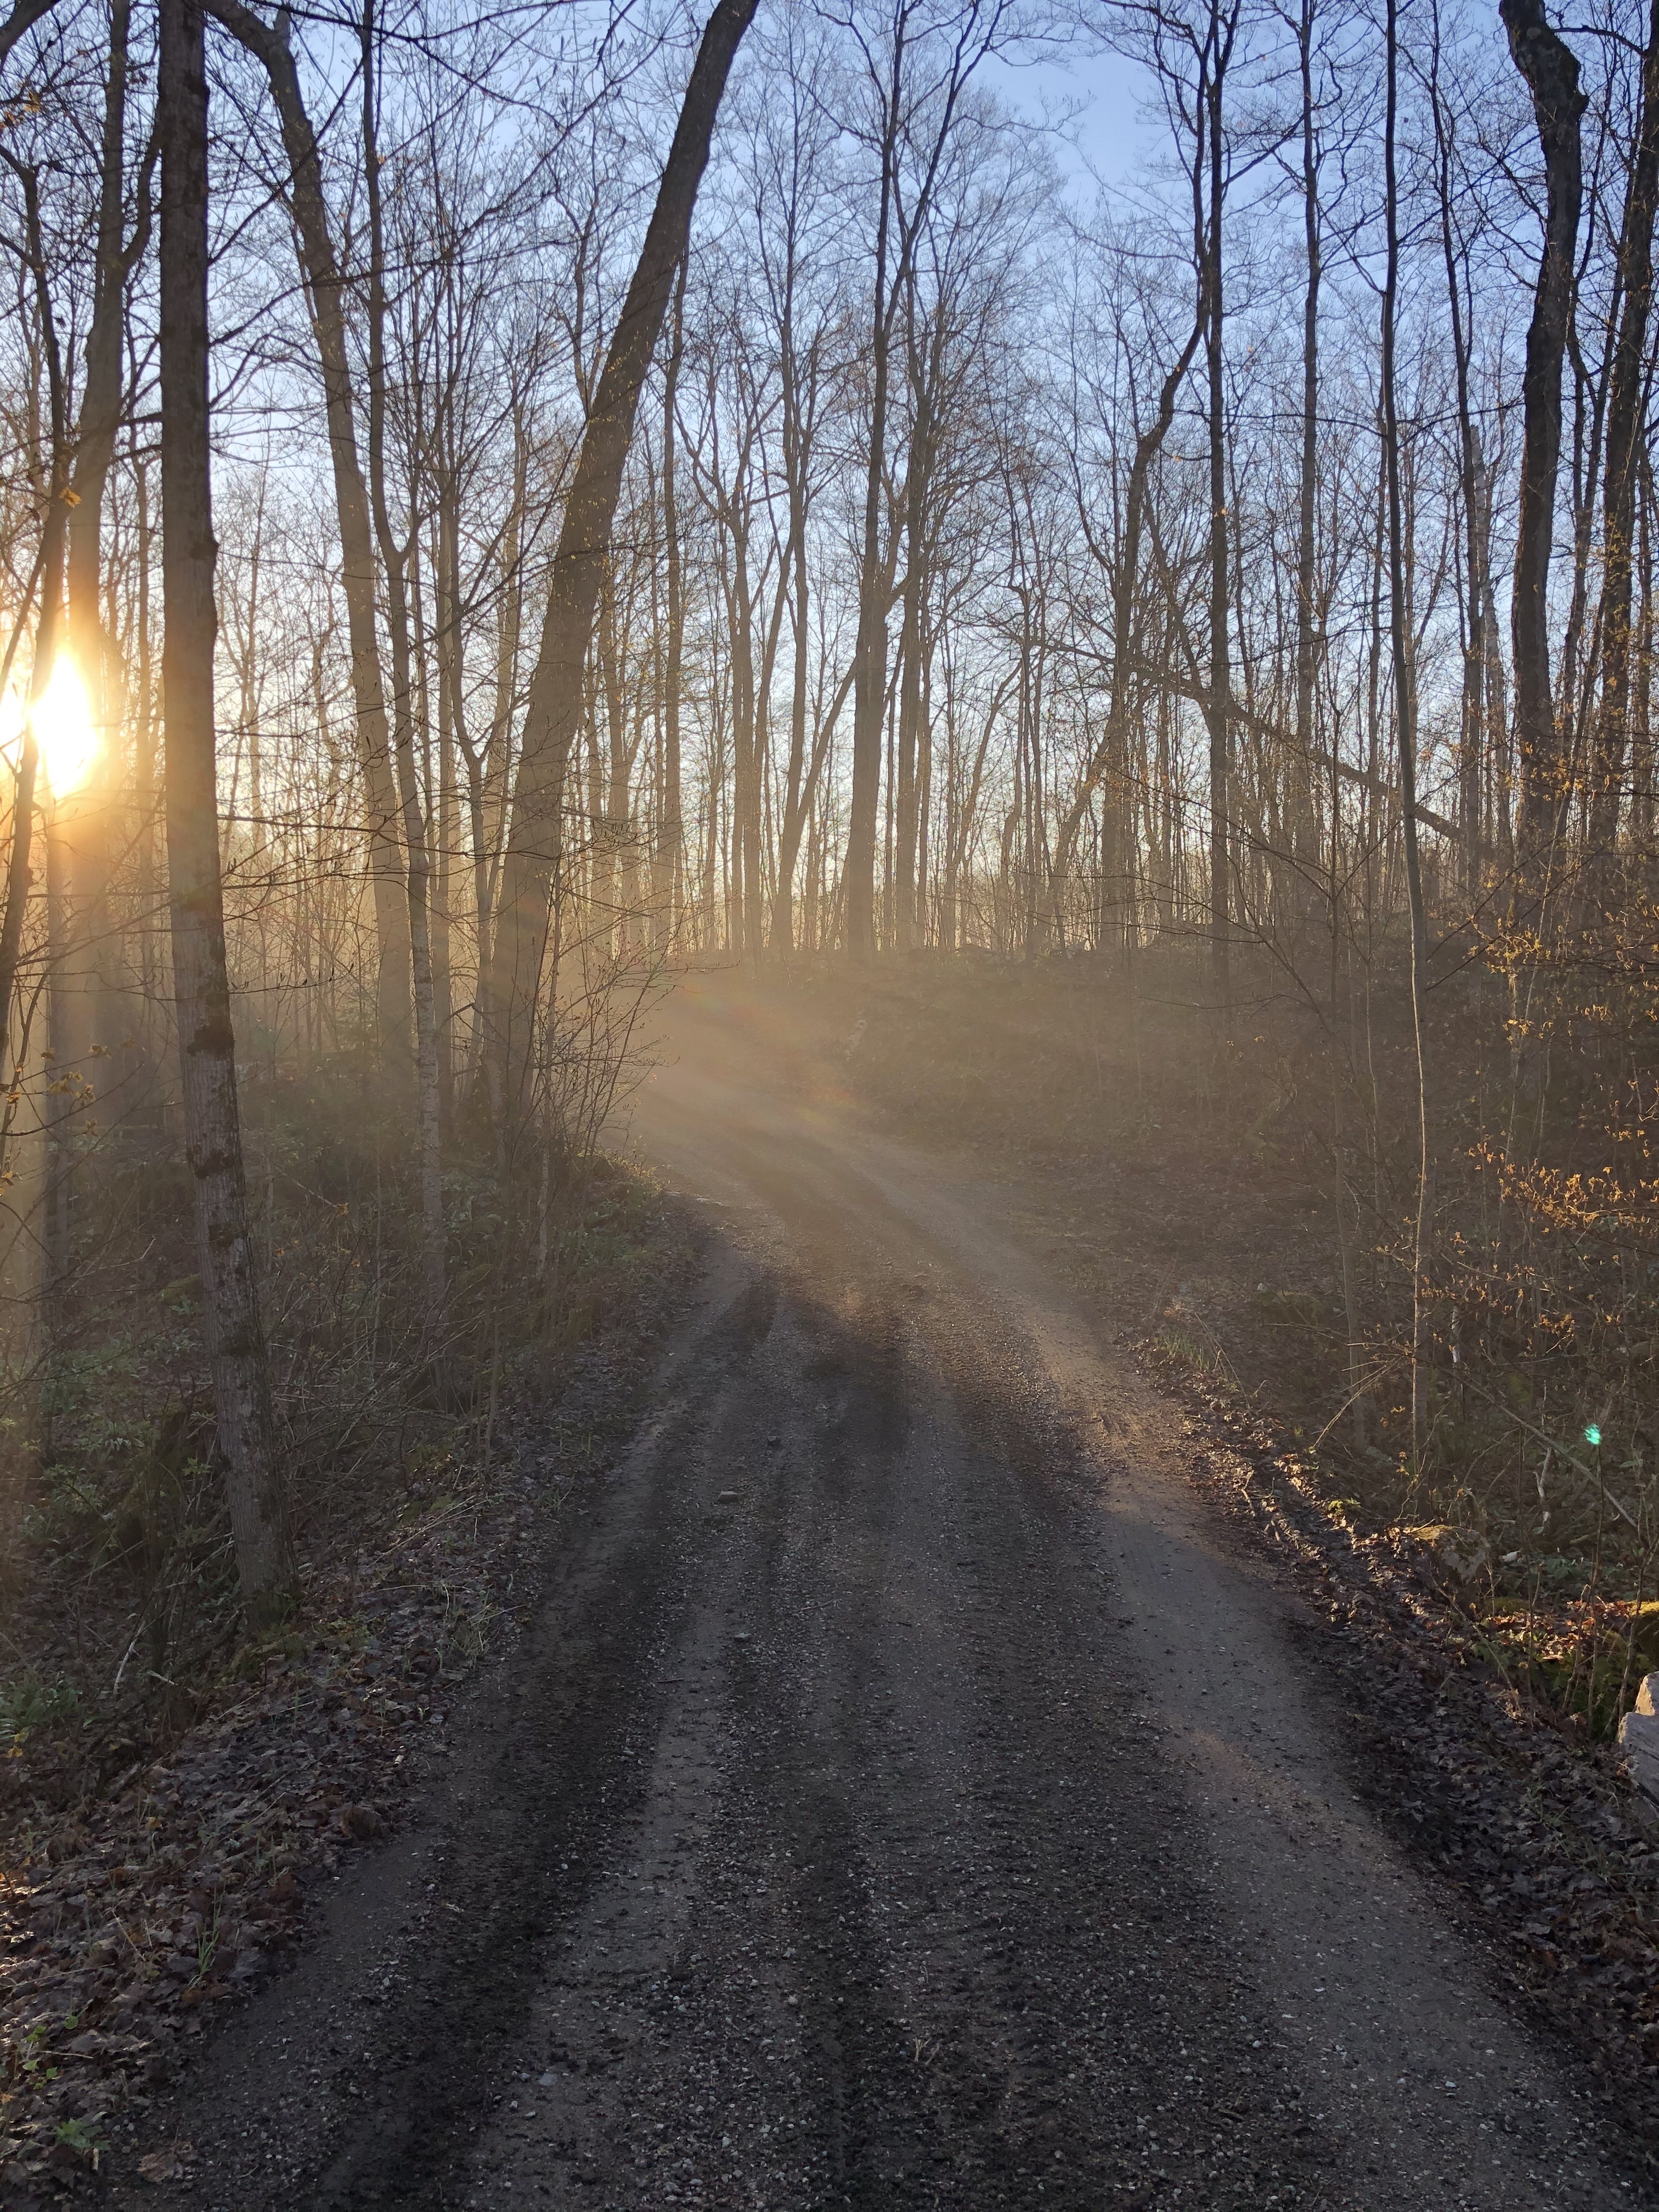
x,y
64,730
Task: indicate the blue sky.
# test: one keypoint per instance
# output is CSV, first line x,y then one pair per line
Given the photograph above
x,y
1109,134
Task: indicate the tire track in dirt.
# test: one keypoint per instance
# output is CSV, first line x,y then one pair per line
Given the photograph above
x,y
359,2078
905,1799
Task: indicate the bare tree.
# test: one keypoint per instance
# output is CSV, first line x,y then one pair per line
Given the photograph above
x,y
1404,707
324,290
918,70
1627,399
552,714
1550,70
206,1050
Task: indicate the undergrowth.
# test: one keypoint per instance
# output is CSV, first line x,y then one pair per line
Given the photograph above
x,y
1248,1192
120,1621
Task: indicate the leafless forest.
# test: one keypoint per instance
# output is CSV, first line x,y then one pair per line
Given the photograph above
x,y
1068,590
498,505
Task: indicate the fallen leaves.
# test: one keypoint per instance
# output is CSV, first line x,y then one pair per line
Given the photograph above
x,y
160,1902
137,1904
1513,1802
171,2163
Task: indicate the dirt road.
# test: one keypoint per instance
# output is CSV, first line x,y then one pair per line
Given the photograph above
x,y
907,1797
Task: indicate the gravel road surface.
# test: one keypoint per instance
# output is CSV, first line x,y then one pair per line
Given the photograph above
x,y
906,1794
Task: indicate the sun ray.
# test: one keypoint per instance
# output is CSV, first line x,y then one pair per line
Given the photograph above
x,y
64,730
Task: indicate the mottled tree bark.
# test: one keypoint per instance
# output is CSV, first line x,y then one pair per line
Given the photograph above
x,y
213,1141
1222,29
553,712
869,651
1550,70
1304,833
394,567
924,376
89,1005
670,828
1405,719
1472,738
1624,407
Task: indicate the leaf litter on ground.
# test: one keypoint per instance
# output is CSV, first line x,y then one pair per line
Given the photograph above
x,y
129,1920
1550,1850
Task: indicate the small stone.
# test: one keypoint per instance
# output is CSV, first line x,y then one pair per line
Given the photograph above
x,y
1638,1740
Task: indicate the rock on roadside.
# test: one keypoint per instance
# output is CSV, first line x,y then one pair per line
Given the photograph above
x,y
1639,1738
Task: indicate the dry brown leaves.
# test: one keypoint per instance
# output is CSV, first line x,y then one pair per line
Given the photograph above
x,y
1549,1848
124,1927
127,1924
170,2164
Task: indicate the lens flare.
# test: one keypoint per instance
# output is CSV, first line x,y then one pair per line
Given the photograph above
x,y
1592,1434
64,730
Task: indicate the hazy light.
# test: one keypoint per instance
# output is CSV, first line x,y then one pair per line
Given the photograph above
x,y
1592,1433
13,710
63,730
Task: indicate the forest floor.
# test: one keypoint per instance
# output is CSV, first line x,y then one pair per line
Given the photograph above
x,y
941,1768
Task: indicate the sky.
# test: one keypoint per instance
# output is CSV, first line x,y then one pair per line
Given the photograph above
x,y
1109,136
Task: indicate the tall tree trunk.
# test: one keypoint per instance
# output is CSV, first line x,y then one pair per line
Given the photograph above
x,y
1303,837
56,1251
324,289
613,824
1495,723
925,786
394,562
870,651
1110,756
911,632
486,777
797,794
755,652
799,402
1550,70
207,1051
1624,409
1405,703
975,35
925,368
670,828
1471,752
1219,704
100,394
93,1001
147,782
1642,762
754,807
48,580
447,840
553,713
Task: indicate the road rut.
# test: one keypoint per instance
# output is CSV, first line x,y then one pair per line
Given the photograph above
x,y
907,1796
